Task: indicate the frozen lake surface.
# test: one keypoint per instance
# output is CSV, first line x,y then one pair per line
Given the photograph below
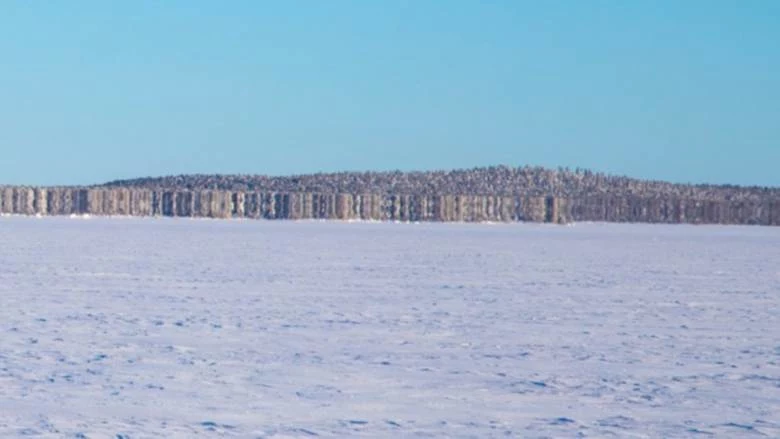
x,y
136,328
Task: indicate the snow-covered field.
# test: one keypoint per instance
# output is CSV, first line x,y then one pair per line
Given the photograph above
x,y
135,328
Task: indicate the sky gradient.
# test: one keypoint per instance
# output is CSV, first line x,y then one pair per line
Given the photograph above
x,y
92,91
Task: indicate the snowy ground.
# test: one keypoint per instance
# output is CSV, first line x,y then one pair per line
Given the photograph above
x,y
135,328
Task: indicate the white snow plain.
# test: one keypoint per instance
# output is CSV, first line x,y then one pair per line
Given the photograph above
x,y
136,328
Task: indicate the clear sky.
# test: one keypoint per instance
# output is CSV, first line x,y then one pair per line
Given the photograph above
x,y
91,91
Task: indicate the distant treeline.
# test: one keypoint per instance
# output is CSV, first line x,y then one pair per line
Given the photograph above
x,y
496,180
482,194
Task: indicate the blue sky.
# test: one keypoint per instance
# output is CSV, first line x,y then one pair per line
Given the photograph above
x,y
686,91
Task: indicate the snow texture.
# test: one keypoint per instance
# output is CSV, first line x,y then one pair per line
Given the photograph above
x,y
136,328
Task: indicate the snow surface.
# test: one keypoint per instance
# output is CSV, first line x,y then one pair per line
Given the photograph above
x,y
131,328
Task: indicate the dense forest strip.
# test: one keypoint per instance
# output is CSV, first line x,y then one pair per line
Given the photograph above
x,y
499,194
306,205
498,180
